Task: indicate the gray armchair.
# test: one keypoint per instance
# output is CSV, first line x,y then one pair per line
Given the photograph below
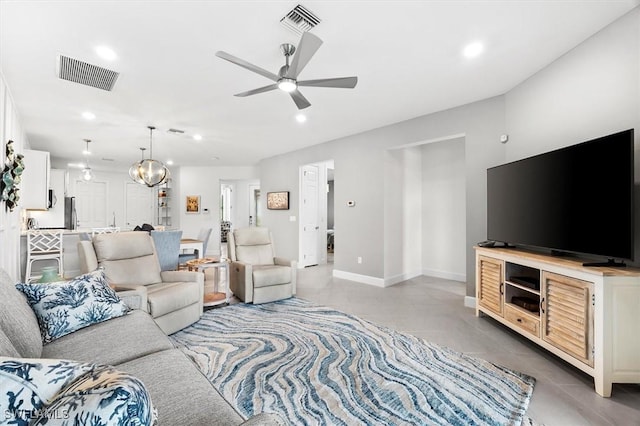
x,y
173,298
256,274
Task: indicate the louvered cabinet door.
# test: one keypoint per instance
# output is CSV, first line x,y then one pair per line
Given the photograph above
x,y
567,315
489,293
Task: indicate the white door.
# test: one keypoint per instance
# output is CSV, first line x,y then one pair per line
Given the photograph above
x,y
91,203
139,204
309,225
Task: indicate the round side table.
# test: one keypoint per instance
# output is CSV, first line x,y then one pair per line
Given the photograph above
x,y
217,297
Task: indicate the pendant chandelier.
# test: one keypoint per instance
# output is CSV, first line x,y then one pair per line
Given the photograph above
x,y
148,171
133,170
87,173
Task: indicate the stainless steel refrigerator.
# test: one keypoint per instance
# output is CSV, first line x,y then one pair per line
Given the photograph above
x,y
70,216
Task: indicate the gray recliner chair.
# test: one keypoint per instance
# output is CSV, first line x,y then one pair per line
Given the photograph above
x,y
173,298
256,274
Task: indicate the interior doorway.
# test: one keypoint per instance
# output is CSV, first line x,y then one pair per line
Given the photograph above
x,y
91,203
240,205
312,245
138,205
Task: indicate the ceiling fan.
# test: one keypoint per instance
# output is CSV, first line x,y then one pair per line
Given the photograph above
x,y
287,78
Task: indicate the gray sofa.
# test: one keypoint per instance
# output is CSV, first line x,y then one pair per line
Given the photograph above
x,y
133,343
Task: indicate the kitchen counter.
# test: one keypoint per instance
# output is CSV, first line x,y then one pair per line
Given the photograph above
x,y
64,231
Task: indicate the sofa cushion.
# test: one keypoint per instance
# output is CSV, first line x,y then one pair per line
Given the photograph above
x,y
17,320
111,342
128,258
252,236
6,347
182,395
255,255
36,391
66,306
268,275
122,245
169,297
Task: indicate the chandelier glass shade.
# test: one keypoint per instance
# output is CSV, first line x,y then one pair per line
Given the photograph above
x,y
87,173
148,171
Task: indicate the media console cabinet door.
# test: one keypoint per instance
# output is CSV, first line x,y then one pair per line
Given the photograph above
x,y
490,284
567,315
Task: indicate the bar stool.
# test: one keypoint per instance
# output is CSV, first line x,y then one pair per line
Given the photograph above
x,y
43,245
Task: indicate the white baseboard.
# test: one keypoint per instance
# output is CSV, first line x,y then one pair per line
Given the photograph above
x,y
469,302
445,274
365,279
388,282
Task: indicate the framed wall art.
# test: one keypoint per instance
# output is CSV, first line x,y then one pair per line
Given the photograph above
x,y
278,200
193,204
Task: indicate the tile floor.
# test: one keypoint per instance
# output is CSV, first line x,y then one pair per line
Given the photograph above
x,y
433,309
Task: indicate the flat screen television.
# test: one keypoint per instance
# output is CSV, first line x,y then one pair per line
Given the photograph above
x,y
577,199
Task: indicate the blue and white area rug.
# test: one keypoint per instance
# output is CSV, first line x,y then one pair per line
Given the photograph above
x,y
317,366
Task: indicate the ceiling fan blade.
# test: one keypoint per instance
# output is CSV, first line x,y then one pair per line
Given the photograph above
x,y
244,64
301,101
340,82
308,46
258,90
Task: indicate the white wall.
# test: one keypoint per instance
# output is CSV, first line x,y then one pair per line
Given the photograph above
x,y
402,215
116,195
359,172
205,181
592,91
444,209
10,222
240,206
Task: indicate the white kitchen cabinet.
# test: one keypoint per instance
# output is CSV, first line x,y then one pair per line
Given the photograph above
x,y
34,187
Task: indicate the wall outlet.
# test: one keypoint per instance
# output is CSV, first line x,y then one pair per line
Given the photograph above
x,y
359,259
292,218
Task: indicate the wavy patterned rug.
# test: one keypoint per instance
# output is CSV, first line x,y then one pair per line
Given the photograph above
x,y
317,366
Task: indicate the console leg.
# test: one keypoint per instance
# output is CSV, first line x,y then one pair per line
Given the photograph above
x,y
603,387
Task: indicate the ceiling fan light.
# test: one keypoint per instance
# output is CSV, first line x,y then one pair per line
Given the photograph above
x,y
287,85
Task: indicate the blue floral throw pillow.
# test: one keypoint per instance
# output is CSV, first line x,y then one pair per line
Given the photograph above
x,y
66,306
58,392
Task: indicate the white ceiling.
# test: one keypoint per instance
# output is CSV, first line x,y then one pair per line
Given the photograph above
x,y
406,54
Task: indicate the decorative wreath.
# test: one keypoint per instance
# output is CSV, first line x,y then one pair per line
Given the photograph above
x,y
10,177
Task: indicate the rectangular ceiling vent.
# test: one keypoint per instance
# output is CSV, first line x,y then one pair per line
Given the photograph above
x,y
300,20
90,75
175,131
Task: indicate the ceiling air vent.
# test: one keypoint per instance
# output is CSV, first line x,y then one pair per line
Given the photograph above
x,y
90,75
175,131
300,20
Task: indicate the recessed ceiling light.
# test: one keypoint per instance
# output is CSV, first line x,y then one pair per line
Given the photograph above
x,y
106,53
301,118
197,137
87,115
169,162
472,50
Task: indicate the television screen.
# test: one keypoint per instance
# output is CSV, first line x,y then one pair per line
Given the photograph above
x,y
576,199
